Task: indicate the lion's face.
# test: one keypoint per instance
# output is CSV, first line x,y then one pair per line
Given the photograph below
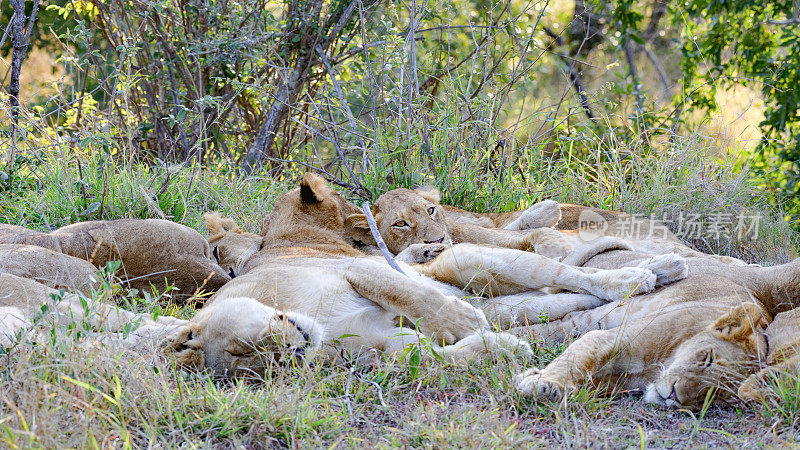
x,y
701,363
720,357
406,217
240,337
230,246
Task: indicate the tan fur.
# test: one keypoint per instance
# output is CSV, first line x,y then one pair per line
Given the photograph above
x,y
230,246
412,209
309,288
53,269
307,265
783,359
25,302
405,217
662,341
567,218
151,251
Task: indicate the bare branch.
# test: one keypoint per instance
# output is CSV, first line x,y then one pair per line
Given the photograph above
x,y
373,227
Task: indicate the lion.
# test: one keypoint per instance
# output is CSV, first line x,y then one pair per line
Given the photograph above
x,y
305,281
53,269
30,308
544,214
677,343
152,252
782,339
406,217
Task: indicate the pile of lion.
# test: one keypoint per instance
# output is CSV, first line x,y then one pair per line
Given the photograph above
x,y
325,278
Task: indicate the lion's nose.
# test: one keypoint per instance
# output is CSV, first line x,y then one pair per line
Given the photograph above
x,y
437,241
674,395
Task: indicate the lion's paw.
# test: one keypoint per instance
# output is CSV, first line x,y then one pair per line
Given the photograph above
x,y
748,392
668,268
544,214
454,321
618,284
532,383
420,253
548,242
485,341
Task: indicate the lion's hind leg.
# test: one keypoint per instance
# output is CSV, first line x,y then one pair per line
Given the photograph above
x,y
668,268
546,213
506,271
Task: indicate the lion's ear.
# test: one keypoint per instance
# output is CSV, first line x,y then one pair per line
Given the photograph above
x,y
313,188
357,227
185,348
740,323
217,225
429,193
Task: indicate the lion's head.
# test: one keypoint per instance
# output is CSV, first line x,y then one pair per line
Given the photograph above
x,y
311,216
405,217
718,358
230,246
241,336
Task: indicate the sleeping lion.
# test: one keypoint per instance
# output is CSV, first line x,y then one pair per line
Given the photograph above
x,y
151,251
304,285
31,308
675,344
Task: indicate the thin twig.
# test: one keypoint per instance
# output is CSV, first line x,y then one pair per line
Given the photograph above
x,y
373,227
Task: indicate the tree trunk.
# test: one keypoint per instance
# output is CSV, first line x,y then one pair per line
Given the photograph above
x,y
19,42
285,97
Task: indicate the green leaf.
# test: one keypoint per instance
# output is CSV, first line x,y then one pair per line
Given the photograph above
x,y
413,362
91,209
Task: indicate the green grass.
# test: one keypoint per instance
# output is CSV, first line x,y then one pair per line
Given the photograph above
x,y
66,393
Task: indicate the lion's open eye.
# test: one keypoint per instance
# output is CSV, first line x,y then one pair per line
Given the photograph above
x,y
400,224
431,210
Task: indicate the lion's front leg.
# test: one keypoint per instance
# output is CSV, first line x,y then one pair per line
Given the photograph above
x,y
757,387
573,368
499,271
495,237
107,317
535,307
445,318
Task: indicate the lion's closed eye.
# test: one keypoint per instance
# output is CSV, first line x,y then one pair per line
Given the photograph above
x,y
240,353
708,358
